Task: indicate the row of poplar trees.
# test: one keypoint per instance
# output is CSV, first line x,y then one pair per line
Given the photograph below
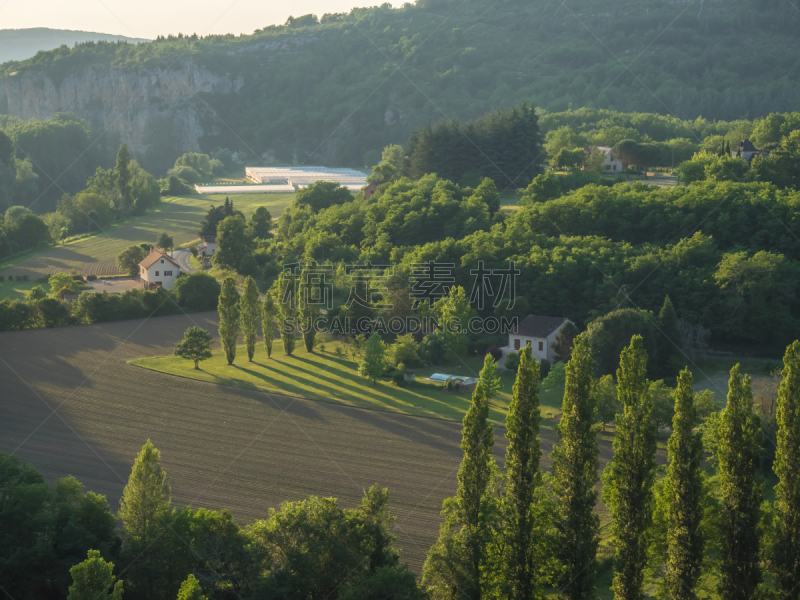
x,y
512,534
289,303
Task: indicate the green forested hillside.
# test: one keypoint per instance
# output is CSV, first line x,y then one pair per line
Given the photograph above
x,y
339,88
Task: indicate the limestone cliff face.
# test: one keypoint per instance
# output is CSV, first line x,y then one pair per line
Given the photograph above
x,y
125,102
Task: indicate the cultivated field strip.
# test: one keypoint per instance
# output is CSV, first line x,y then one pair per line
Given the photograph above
x,y
179,217
222,447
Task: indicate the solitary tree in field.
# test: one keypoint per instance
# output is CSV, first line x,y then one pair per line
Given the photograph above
x,y
739,456
629,478
489,377
123,200
787,462
191,590
373,358
146,498
93,579
228,309
59,281
683,492
523,477
165,242
456,563
196,345
575,463
269,313
249,309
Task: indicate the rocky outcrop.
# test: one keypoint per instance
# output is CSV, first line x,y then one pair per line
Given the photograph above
x,y
127,102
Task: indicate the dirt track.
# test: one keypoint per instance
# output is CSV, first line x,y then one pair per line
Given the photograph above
x,y
222,447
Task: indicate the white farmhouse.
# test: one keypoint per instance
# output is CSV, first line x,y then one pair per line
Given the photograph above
x,y
609,162
539,331
158,270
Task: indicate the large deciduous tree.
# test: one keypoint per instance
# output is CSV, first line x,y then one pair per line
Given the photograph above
x,y
739,454
93,579
228,309
683,492
373,358
629,477
575,464
523,477
128,260
249,310
195,346
786,558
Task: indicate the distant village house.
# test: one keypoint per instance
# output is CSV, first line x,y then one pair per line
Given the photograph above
x,y
746,150
158,270
207,246
609,162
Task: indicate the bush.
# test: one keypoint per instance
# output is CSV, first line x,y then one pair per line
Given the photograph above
x,y
25,277
512,361
431,349
197,291
91,277
188,174
404,351
496,353
399,378
556,377
544,368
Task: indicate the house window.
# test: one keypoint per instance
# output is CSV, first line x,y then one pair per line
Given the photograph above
x,y
516,344
156,273
541,346
162,261
167,273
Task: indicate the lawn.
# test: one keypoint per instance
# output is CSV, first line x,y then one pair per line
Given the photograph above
x,y
178,216
322,376
17,290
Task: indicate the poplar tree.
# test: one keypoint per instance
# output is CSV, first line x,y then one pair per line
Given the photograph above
x,y
228,309
309,311
683,492
249,315
269,312
454,565
629,477
523,477
489,377
739,453
575,465
146,498
286,294
787,464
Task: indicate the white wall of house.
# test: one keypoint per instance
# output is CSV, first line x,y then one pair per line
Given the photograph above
x,y
162,271
540,347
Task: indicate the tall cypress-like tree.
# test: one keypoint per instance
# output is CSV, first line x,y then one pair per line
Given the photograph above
x,y
575,464
287,297
249,309
269,312
489,377
684,493
146,498
739,454
454,565
669,340
787,467
629,477
309,311
228,309
523,477
123,180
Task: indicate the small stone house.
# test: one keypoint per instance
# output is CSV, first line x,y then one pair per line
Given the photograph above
x,y
158,270
207,246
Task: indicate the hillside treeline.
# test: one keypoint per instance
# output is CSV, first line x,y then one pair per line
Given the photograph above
x,y
330,88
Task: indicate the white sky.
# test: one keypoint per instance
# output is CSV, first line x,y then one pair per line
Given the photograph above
x,y
149,18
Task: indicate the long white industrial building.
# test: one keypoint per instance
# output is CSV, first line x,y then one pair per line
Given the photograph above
x,y
288,179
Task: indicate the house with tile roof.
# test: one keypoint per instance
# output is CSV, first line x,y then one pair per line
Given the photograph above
x,y
539,331
158,270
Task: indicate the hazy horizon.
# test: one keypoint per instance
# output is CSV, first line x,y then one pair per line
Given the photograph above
x,y
150,18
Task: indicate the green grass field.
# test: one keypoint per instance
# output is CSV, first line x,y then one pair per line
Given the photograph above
x,y
322,376
178,216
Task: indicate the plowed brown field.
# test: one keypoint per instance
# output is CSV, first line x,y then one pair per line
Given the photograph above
x,y
222,447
